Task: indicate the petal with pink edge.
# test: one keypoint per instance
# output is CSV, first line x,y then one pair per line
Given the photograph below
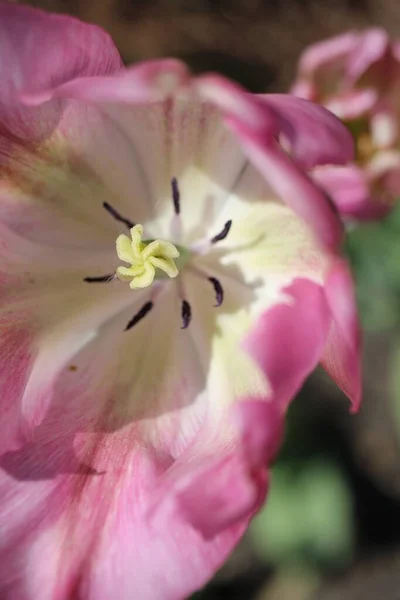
x,y
316,136
350,189
342,354
288,339
293,186
220,491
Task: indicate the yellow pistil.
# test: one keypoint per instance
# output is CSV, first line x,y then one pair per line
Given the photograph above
x,y
144,258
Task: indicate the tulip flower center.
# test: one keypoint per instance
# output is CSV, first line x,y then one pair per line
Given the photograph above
x,y
144,258
150,260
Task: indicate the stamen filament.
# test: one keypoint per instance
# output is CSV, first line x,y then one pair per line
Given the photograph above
x,y
146,308
114,213
222,235
186,313
219,291
101,279
176,197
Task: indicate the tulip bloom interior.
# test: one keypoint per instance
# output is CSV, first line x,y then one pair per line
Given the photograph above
x,y
169,277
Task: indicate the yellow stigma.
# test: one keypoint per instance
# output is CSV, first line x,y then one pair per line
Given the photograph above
x,y
144,258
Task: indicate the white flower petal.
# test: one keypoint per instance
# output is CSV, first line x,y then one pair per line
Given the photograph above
x,y
185,139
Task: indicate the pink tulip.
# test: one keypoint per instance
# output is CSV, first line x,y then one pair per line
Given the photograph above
x,y
356,75
169,276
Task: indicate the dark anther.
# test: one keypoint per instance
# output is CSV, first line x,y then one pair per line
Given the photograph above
x,y
222,235
186,313
176,197
219,291
114,213
101,279
140,315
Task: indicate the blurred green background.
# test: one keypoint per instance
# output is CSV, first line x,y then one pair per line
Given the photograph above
x,y
331,527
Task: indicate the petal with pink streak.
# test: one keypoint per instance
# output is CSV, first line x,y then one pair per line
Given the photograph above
x,y
42,50
316,136
288,340
17,354
350,189
342,354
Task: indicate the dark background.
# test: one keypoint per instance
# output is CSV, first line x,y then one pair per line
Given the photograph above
x,y
331,529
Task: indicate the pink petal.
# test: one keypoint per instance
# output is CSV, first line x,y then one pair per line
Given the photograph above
x,y
343,58
302,88
352,104
42,51
202,503
372,46
231,487
327,54
236,104
330,71
316,136
342,354
349,188
289,339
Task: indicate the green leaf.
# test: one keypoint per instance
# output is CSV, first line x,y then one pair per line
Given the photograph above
x,y
307,518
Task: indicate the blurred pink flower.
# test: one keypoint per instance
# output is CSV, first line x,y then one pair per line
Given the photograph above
x,y
356,75
138,424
